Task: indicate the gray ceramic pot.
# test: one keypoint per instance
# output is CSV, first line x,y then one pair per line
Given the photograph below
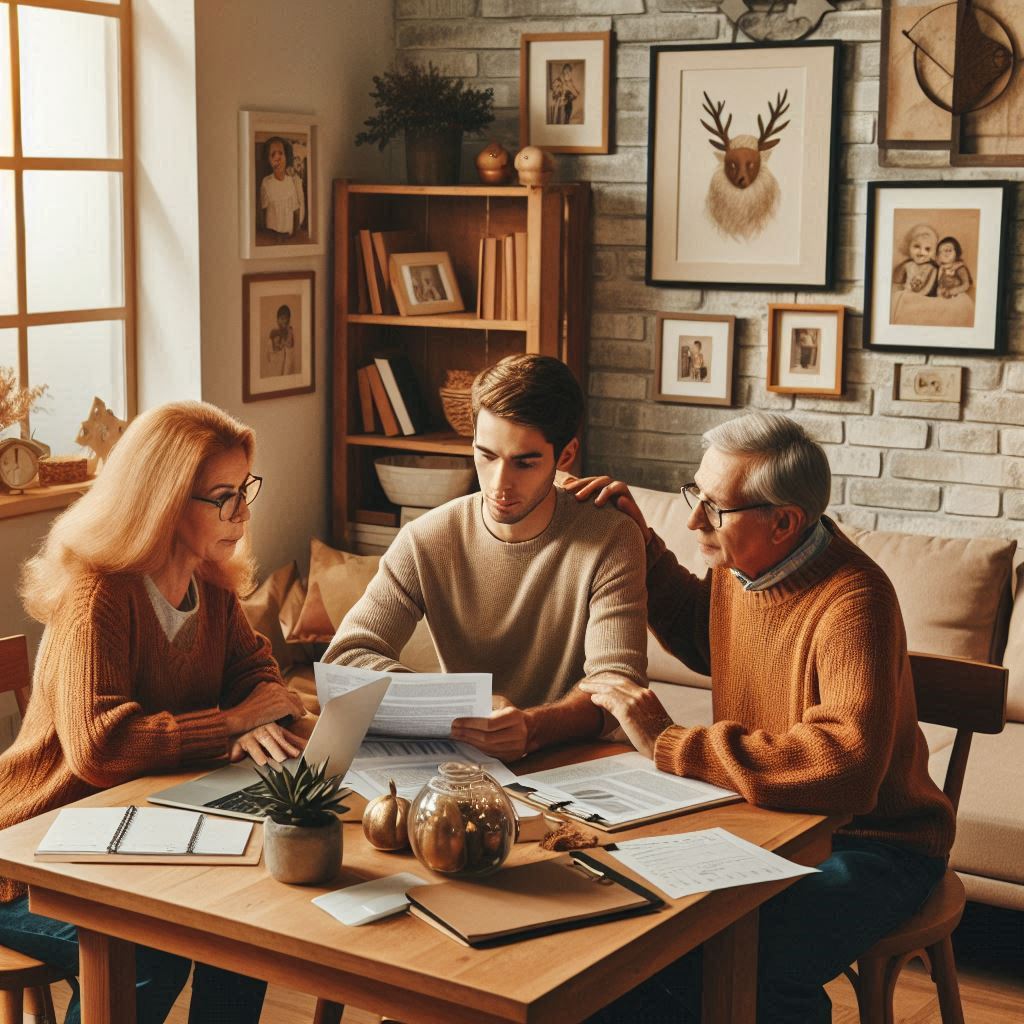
x,y
302,855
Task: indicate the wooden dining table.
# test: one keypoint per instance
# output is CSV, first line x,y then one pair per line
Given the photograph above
x,y
238,917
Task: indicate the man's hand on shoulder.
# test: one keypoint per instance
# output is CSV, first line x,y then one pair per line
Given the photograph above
x,y
503,734
602,489
642,716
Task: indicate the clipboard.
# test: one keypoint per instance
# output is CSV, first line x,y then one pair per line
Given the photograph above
x,y
570,891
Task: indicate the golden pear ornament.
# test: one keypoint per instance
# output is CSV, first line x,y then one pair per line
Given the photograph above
x,y
385,821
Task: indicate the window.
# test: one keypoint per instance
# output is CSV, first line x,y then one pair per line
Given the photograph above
x,y
67,208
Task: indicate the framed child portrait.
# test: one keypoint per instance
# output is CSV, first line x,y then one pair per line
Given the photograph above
x,y
805,349
424,283
279,188
695,357
565,91
278,343
934,276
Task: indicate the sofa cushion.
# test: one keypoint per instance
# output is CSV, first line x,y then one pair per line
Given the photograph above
x,y
988,831
1013,659
666,513
954,592
263,608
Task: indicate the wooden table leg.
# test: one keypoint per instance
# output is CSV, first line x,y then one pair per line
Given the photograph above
x,y
107,977
730,974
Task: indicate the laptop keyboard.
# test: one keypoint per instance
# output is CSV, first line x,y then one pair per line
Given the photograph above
x,y
243,801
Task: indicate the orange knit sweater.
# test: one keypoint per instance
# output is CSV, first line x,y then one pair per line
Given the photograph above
x,y
112,699
812,694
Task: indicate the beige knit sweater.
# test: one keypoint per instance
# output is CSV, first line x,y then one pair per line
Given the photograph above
x,y
112,699
540,615
812,694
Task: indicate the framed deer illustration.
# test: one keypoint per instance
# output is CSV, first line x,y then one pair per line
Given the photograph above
x,y
741,165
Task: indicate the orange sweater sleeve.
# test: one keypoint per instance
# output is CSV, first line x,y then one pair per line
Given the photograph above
x,y
834,759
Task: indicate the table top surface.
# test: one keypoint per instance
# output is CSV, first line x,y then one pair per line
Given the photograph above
x,y
244,904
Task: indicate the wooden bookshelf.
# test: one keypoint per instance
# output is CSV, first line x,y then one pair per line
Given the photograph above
x,y
449,219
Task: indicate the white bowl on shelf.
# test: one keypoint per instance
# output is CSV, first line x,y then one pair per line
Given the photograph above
x,y
424,481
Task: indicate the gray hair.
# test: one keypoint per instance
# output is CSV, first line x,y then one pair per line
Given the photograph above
x,y
788,467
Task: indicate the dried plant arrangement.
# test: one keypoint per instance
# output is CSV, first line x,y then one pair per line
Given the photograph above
x,y
15,401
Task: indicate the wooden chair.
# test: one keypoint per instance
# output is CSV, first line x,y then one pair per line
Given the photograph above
x,y
24,982
969,696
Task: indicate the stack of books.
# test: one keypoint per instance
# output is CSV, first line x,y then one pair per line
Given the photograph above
x,y
373,249
389,397
368,539
501,278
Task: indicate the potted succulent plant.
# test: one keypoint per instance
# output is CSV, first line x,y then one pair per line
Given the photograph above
x,y
302,833
432,111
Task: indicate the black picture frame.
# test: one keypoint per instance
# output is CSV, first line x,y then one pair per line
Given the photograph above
x,y
909,327
665,188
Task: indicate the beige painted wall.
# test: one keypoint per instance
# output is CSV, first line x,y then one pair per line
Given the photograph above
x,y
306,56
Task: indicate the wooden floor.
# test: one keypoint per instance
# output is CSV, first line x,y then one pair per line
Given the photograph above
x,y
989,950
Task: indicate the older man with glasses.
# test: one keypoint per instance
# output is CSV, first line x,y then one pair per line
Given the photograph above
x,y
813,703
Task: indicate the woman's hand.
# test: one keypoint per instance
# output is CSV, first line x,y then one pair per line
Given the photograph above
x,y
266,742
607,490
642,716
268,702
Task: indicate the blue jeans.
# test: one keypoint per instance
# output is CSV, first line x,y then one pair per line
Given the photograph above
x,y
218,996
807,935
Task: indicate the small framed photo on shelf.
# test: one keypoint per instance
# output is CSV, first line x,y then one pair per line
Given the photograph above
x,y
565,91
695,355
278,344
424,283
279,188
935,253
742,165
926,383
805,349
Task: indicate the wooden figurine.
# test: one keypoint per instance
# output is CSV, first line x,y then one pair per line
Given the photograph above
x,y
100,432
535,165
493,164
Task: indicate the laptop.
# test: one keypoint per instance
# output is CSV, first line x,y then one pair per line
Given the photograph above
x,y
335,738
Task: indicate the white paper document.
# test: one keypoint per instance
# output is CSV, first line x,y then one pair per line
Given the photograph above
x,y
370,901
618,789
417,703
692,862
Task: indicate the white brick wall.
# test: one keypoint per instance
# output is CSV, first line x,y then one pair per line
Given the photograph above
x,y
940,468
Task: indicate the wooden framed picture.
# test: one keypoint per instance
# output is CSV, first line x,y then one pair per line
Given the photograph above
x,y
424,283
805,349
278,344
565,91
935,253
742,165
695,354
927,383
279,185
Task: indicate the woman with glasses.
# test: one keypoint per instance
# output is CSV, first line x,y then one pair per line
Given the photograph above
x,y
146,664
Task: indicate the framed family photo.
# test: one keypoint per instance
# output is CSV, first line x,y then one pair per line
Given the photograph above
x,y
565,91
927,383
424,283
279,186
741,173
935,254
805,349
695,356
278,345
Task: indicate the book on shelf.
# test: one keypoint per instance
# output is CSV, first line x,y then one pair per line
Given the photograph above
x,y
374,281
384,244
371,534
410,512
366,401
381,402
499,279
375,517
490,251
520,248
403,392
480,281
362,290
509,289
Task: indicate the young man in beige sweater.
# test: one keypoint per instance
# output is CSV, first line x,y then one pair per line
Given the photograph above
x,y
518,580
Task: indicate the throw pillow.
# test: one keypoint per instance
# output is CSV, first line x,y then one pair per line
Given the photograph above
x,y
263,609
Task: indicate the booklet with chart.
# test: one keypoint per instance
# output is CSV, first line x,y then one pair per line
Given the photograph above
x,y
613,793
148,835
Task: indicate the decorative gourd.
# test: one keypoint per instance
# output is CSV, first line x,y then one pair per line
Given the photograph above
x,y
535,165
385,821
493,164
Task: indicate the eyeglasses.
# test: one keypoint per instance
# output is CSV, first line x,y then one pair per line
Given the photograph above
x,y
230,504
691,492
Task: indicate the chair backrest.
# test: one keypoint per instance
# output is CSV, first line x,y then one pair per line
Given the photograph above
x,y
969,696
14,670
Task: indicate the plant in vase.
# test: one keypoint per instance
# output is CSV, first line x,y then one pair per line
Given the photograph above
x,y
302,833
433,112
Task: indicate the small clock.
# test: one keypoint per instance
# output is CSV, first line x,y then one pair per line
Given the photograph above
x,y
19,462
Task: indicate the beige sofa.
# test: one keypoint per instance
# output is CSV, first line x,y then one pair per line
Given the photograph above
x,y
956,597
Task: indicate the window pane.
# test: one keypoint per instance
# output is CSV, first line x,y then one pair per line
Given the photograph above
x,y
9,359
8,251
69,83
6,128
77,362
74,256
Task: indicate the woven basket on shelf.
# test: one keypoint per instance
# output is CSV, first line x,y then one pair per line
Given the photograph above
x,y
458,410
62,469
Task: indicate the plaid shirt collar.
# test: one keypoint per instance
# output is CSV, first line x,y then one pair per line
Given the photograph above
x,y
816,542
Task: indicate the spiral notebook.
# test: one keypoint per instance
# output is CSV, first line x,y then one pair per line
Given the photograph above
x,y
148,835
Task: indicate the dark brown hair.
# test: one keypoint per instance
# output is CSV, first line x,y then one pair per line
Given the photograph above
x,y
537,391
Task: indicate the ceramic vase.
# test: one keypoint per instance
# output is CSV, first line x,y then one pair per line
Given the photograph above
x,y
301,854
433,158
